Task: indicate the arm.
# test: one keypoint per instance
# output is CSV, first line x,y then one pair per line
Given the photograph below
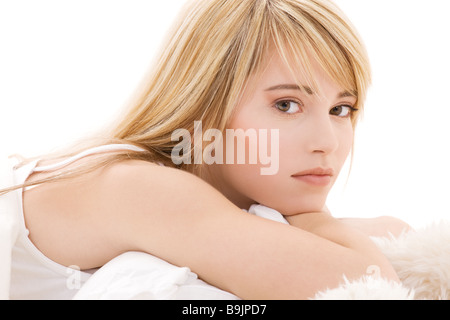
x,y
183,220
341,232
383,226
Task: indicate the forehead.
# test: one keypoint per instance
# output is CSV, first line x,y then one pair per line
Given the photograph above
x,y
278,74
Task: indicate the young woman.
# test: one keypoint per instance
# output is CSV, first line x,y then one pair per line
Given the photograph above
x,y
293,68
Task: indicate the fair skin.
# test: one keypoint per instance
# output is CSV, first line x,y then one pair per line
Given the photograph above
x,y
136,205
315,132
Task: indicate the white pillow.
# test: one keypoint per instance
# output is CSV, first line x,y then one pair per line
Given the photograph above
x,y
138,275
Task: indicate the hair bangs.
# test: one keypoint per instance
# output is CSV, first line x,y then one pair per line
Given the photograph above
x,y
304,33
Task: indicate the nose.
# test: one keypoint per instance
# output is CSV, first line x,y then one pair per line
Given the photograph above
x,y
322,136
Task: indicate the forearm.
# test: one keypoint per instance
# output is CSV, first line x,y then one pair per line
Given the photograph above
x,y
325,226
378,227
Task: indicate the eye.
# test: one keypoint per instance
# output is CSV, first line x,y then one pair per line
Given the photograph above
x,y
343,111
288,106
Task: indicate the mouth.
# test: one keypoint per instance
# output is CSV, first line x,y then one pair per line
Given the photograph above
x,y
317,177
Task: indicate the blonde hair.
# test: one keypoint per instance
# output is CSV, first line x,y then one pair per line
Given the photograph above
x,y
209,55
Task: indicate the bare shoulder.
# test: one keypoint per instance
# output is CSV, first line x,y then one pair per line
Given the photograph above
x,y
147,200
149,190
142,173
104,210
147,185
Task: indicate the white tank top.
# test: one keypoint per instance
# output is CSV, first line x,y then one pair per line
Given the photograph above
x,y
33,275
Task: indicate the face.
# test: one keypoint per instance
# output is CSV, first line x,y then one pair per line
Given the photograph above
x,y
315,138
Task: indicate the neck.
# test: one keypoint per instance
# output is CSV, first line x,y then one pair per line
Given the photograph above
x,y
211,176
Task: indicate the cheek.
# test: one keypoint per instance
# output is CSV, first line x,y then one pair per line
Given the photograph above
x,y
247,182
346,137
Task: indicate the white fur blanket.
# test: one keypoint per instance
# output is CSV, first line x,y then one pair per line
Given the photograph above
x,y
421,259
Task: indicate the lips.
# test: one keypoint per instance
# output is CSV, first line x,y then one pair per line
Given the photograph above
x,y
317,176
316,171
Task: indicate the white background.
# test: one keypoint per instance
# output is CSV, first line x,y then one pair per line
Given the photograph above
x,y
68,67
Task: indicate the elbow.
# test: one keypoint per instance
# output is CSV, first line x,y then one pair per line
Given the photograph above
x,y
371,282
358,268
374,265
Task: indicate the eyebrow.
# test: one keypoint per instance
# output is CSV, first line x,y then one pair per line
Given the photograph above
x,y
307,89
